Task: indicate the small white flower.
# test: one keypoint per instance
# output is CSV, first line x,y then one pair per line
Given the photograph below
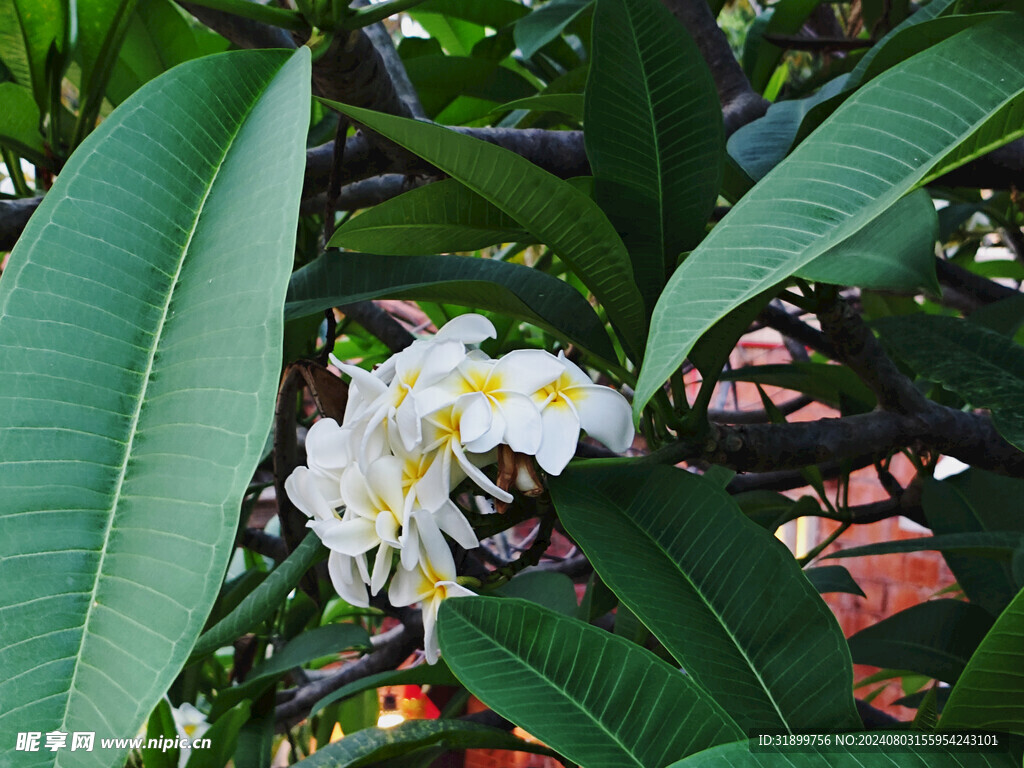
x,y
573,402
191,724
430,582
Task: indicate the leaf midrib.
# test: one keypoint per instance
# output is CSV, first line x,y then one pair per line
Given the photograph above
x,y
521,661
714,613
133,426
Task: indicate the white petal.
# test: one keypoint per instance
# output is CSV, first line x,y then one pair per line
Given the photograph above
x,y
526,370
409,585
453,589
478,477
387,529
604,414
346,579
358,498
437,558
523,425
577,374
384,479
410,550
469,328
370,387
494,435
381,568
306,492
561,433
350,537
474,416
409,425
328,446
443,357
430,648
433,487
449,518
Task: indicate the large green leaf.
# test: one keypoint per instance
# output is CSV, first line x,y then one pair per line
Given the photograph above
x,y
990,692
443,217
655,143
934,638
139,356
949,510
486,13
552,210
596,698
982,366
957,100
19,122
28,28
681,555
545,23
376,746
158,37
896,252
887,752
335,279
439,80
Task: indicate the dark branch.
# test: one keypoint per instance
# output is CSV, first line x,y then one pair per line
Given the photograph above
x,y
980,289
378,322
793,327
259,541
787,479
760,415
858,348
367,192
245,33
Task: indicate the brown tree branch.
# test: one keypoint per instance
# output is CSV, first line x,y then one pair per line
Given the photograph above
x,y
14,215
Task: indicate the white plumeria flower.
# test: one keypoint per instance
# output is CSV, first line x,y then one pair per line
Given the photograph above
x,y
383,395
432,580
190,724
507,384
451,427
318,496
573,402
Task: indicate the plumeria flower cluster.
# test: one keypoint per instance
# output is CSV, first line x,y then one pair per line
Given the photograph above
x,y
378,486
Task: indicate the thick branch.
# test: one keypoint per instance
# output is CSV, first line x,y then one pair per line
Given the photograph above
x,y
858,348
245,33
559,152
740,103
969,437
366,193
787,479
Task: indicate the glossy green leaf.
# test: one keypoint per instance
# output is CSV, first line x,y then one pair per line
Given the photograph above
x,y
760,145
770,509
934,638
486,13
882,755
375,746
984,367
552,590
439,80
896,252
950,508
835,385
681,555
263,601
655,143
545,23
833,578
594,697
838,181
139,356
160,724
443,217
552,210
102,25
990,693
997,544
159,36
335,279
570,104
424,674
27,30
19,122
